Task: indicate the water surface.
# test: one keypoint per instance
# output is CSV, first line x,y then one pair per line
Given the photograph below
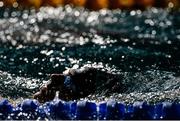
x,y
143,46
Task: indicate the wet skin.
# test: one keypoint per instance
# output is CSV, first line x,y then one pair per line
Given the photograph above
x,y
79,83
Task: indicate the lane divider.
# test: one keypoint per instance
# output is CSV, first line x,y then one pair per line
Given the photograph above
x,y
87,110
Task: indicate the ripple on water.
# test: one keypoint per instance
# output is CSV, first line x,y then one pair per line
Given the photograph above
x,y
14,87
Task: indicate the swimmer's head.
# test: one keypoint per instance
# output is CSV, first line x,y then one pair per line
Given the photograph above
x,y
72,84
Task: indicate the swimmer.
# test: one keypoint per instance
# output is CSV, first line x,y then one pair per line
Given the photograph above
x,y
78,83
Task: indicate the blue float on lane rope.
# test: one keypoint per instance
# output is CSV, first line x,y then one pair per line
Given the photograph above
x,y
86,110
5,109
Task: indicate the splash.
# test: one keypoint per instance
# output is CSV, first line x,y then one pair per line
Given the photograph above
x,y
35,44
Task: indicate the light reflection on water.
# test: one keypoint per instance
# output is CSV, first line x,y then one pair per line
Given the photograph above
x,y
142,46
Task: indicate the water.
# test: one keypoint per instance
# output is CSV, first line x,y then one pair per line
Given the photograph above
x,y
143,46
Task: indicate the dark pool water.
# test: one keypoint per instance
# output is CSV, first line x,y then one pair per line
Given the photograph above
x,y
143,46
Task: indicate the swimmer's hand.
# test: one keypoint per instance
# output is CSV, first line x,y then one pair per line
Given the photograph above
x,y
48,91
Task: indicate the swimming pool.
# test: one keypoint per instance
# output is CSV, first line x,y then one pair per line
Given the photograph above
x,y
141,45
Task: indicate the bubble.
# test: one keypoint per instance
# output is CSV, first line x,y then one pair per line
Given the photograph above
x,y
136,28
1,4
15,4
76,13
170,5
132,13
